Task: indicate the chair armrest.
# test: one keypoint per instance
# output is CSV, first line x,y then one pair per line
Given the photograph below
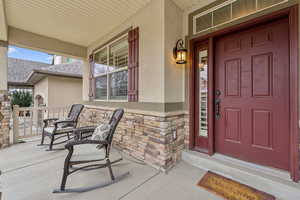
x,y
63,121
82,132
47,121
74,143
50,119
85,129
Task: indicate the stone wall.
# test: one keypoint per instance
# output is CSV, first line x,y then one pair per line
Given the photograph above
x,y
156,139
5,110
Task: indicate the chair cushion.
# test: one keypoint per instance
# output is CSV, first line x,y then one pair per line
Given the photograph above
x,y
101,132
87,152
50,129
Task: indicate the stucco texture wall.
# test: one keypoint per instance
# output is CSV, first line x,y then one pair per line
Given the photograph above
x,y
64,91
41,88
59,91
173,73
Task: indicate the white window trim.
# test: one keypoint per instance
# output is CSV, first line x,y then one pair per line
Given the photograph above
x,y
211,10
107,73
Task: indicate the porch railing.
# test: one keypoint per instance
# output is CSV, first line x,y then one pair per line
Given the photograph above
x,y
28,121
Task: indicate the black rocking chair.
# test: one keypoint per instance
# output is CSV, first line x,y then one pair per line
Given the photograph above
x,y
81,135
56,129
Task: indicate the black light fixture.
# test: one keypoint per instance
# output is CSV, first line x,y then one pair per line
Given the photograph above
x,y
179,52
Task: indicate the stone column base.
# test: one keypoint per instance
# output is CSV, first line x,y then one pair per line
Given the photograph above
x,y
5,110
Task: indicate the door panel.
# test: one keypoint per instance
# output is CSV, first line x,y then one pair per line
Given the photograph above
x,y
252,75
232,77
262,75
262,129
233,125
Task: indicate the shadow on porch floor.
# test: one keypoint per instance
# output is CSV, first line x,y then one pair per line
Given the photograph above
x,y
30,172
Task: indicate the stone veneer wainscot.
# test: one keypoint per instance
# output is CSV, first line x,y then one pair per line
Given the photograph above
x,y
147,136
5,109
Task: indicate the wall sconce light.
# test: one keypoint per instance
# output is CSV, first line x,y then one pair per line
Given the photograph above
x,y
179,52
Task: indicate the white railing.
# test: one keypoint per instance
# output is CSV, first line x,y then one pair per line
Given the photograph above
x,y
28,121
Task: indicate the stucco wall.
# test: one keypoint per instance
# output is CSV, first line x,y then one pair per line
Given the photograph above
x,y
59,91
64,91
174,74
41,88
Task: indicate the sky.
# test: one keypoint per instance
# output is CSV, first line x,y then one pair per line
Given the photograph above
x,y
27,54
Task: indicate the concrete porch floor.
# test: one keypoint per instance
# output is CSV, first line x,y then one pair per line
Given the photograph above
x,y
30,172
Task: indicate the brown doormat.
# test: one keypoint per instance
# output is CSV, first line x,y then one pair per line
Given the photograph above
x,y
230,189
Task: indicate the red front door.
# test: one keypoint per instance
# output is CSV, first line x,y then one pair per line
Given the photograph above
x,y
252,95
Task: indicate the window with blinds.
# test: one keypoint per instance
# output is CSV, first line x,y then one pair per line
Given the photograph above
x,y
228,11
111,71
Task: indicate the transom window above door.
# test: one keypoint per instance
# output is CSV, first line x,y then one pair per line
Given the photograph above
x,y
111,71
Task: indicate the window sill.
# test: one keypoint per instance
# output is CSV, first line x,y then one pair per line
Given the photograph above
x,y
111,101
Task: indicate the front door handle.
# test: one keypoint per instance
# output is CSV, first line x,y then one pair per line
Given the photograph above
x,y
217,108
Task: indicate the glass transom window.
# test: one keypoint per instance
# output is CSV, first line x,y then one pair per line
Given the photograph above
x,y
111,71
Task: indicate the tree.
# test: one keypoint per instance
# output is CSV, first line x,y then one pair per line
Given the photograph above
x,y
21,98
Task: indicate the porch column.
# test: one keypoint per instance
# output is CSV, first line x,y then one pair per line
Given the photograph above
x,y
3,66
5,109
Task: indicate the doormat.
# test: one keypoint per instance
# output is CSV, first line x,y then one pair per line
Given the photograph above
x,y
230,189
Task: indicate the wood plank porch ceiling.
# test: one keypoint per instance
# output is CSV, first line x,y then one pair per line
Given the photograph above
x,y
75,21
80,22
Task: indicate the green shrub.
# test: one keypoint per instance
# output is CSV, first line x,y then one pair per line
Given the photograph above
x,y
21,98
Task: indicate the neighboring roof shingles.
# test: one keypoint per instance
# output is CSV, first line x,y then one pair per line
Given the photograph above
x,y
23,72
68,69
19,70
72,70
